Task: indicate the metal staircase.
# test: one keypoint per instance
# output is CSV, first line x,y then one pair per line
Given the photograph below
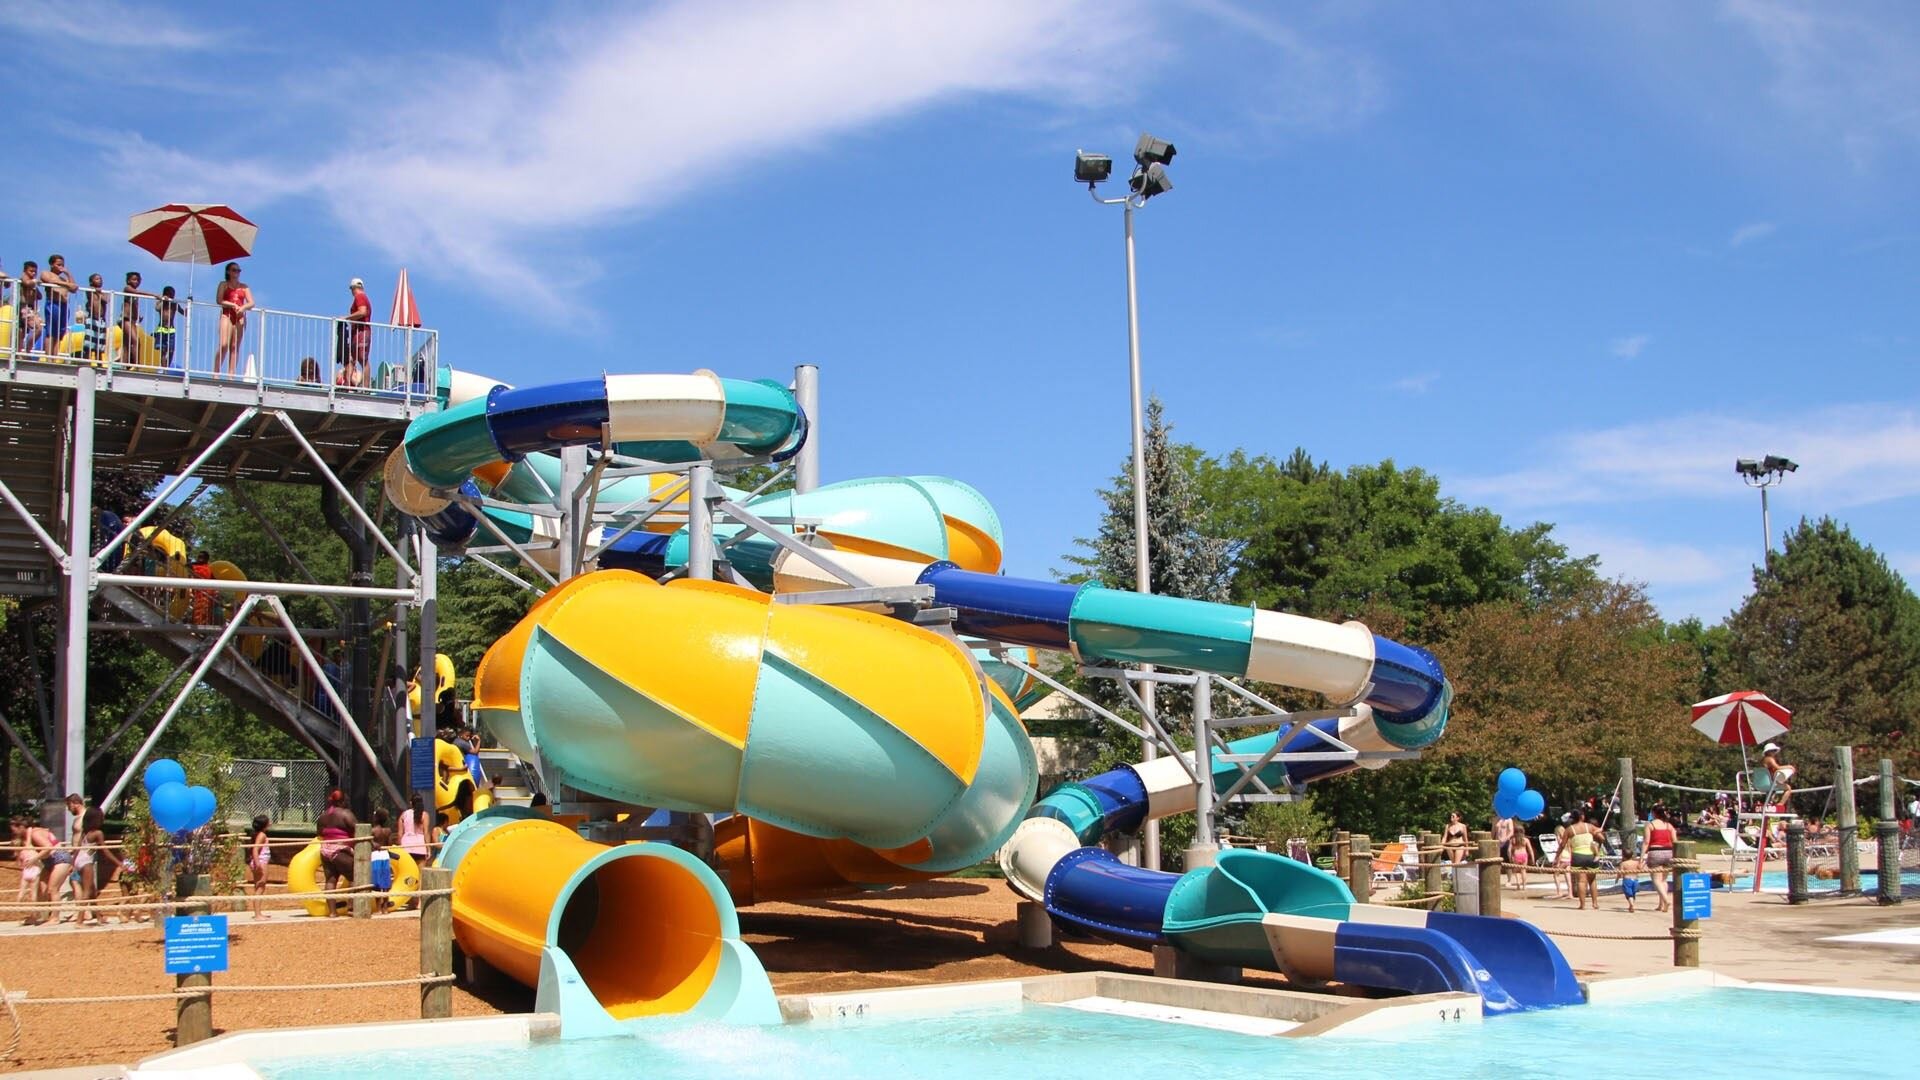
x,y
233,676
31,462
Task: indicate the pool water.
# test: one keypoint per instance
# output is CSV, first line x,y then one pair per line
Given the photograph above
x,y
1729,1027
1776,881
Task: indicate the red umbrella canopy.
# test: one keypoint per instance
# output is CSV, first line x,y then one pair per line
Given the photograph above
x,y
405,311
1742,718
202,233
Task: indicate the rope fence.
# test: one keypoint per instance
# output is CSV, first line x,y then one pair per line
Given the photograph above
x,y
227,988
193,994
222,898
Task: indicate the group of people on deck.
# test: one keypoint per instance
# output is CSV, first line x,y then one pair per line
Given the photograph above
x,y
49,304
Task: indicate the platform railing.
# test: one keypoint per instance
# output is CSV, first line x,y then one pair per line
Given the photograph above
x,y
199,341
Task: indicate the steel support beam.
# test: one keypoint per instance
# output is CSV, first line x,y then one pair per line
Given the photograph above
x,y
69,752
333,698
179,481
429,636
166,719
33,760
525,559
700,498
340,489
806,393
20,510
264,588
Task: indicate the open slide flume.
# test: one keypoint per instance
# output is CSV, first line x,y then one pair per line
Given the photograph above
x,y
855,750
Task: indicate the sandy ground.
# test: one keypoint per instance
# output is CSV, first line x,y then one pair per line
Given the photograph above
x,y
944,930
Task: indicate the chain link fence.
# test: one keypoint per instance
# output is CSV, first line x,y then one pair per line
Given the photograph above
x,y
288,792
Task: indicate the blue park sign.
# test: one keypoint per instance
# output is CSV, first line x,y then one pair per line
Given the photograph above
x,y
1696,896
196,944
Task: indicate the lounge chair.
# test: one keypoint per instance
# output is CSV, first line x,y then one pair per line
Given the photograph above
x,y
1389,864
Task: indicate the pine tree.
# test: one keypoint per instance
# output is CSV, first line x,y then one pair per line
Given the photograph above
x,y
1182,559
1833,633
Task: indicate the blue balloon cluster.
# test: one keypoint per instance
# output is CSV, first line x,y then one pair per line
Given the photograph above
x,y
1513,798
173,805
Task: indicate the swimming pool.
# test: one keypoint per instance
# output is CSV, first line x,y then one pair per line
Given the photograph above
x,y
1776,881
1032,1041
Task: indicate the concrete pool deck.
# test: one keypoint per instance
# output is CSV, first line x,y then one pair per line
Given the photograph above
x,y
945,931
1755,937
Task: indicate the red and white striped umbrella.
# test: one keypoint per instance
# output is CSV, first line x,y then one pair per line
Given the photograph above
x,y
405,311
196,233
1742,718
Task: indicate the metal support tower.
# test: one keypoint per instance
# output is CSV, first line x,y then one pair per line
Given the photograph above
x,y
64,422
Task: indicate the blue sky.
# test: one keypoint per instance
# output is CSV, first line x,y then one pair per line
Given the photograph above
x,y
1574,259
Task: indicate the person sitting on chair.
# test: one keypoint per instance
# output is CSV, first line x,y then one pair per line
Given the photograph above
x,y
1779,775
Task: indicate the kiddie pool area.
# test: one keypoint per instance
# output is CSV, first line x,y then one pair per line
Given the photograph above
x,y
1102,1035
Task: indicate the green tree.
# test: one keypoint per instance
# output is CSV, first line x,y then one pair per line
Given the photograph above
x,y
1560,689
1833,633
1182,559
1329,544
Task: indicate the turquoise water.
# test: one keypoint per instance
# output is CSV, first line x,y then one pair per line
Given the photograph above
x,y
1731,1028
1777,879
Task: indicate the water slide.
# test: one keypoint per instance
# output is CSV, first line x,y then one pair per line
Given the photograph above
x,y
605,934
1257,910
856,750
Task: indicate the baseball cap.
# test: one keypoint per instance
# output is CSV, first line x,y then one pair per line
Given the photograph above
x,y
356,283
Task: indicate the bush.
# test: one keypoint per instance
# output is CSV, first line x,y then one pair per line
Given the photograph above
x,y
1276,823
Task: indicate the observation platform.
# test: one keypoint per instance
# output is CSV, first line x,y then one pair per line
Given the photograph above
x,y
303,396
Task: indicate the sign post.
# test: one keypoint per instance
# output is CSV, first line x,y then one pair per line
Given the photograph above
x,y
196,947
1693,901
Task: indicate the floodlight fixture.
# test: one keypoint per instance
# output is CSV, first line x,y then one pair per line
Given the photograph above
x,y
1091,169
1150,180
1152,151
1763,473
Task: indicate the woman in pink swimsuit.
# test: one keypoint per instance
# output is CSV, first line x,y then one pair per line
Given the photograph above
x,y
235,300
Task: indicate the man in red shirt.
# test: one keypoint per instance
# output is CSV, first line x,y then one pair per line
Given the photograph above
x,y
359,337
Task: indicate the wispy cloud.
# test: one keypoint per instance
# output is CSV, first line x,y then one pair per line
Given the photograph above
x,y
98,24
1307,84
1848,75
1850,455
1662,565
1907,564
586,131
1414,384
1751,233
1631,346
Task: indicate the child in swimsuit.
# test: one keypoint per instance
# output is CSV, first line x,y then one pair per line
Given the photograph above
x,y
380,868
259,855
165,310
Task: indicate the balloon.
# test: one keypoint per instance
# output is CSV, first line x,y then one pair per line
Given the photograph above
x,y
204,805
171,806
1529,804
1504,803
161,772
1512,781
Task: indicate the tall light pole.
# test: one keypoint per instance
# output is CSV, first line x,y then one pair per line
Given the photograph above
x,y
1151,157
1763,473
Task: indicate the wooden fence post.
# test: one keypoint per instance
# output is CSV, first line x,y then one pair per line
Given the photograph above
x,y
1360,867
1431,870
1686,932
193,1015
362,871
1490,869
436,942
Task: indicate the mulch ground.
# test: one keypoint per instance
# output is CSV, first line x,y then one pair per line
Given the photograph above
x,y
940,931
